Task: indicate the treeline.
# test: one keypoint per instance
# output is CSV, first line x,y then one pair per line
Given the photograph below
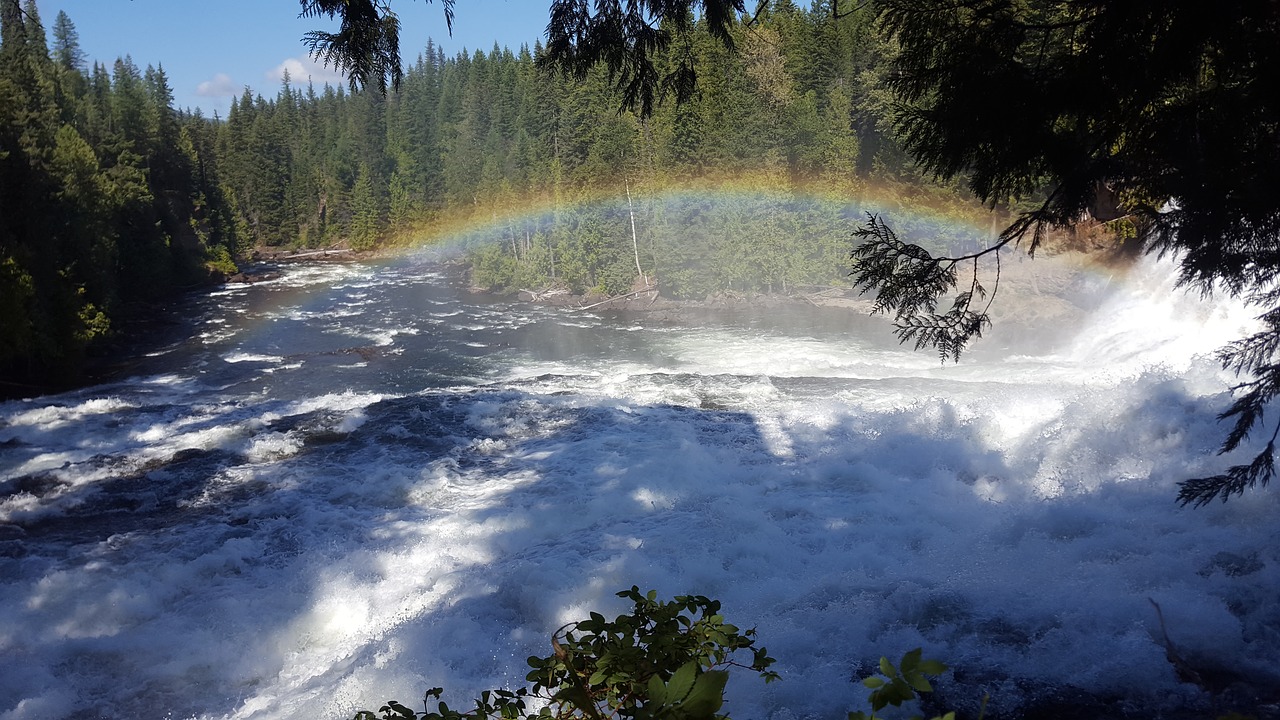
x,y
112,196
107,197
569,191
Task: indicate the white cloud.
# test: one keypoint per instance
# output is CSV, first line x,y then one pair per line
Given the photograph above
x,y
302,69
219,86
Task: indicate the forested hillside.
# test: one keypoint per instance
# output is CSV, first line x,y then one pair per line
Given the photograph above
x,y
114,196
109,197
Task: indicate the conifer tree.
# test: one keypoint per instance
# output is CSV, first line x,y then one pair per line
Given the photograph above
x,y
66,43
366,215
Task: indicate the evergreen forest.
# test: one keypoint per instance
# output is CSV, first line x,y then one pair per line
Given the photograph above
x,y
113,199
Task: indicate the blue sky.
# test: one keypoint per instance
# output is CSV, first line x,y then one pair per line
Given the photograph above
x,y
212,49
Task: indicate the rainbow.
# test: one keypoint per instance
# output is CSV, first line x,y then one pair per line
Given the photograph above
x,y
937,218
919,214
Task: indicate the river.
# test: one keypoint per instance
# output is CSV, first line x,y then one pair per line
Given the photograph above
x,y
359,481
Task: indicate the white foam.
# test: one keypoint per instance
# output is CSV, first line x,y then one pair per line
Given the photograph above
x,y
52,417
345,543
241,357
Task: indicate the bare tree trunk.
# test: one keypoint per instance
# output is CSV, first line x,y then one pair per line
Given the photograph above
x,y
635,243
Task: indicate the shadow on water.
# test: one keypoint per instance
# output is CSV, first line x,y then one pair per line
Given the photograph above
x,y
144,592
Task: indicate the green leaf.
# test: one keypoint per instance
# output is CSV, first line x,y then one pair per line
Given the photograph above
x,y
682,681
575,697
400,710
898,692
657,690
919,683
910,660
707,694
887,668
932,667
873,682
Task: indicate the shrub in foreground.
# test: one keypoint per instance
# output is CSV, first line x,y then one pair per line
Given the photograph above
x,y
666,660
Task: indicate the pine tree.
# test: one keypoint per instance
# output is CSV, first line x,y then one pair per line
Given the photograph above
x,y
66,44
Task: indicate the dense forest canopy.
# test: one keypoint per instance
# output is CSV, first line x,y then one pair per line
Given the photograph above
x,y
110,196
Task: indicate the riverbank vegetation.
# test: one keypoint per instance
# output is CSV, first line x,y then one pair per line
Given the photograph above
x,y
113,196
110,197
666,660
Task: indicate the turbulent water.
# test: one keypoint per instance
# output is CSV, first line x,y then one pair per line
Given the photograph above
x,y
357,482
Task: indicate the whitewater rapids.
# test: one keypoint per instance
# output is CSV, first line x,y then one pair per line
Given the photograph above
x,y
358,481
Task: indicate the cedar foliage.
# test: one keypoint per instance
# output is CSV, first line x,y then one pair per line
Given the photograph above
x,y
1162,116
367,44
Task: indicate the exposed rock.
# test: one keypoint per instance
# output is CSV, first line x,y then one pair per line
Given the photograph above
x,y
254,276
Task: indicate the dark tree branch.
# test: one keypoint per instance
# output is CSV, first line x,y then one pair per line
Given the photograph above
x,y
1202,491
908,282
761,6
837,15
367,44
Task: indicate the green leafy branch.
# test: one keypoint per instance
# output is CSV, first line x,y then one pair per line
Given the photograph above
x,y
902,684
666,660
